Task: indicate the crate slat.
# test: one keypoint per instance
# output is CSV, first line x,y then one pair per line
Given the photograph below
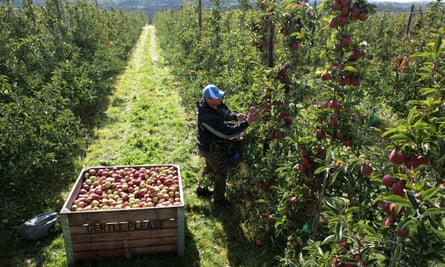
x,y
125,253
120,215
128,244
85,238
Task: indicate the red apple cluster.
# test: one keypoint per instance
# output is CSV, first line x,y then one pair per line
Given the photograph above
x,y
347,11
282,75
306,164
283,117
411,162
393,214
397,186
332,120
290,26
128,187
345,77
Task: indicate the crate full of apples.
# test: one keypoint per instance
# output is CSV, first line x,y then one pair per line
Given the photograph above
x,y
124,211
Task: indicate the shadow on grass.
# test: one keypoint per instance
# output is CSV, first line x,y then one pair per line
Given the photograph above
x,y
242,249
29,197
24,196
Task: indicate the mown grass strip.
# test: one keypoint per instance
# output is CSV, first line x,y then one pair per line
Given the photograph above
x,y
145,123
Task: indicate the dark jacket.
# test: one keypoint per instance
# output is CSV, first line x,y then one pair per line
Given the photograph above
x,y
213,125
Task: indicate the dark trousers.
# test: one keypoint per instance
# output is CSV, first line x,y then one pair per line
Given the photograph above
x,y
213,165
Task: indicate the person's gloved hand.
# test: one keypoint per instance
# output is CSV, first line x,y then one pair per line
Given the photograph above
x,y
253,115
241,117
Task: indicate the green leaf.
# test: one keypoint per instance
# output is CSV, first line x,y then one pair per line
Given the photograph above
x,y
405,222
400,136
411,113
427,69
401,201
434,211
350,68
412,199
427,91
429,193
331,206
320,170
437,47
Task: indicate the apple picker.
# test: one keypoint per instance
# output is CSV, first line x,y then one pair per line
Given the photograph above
x,y
37,227
217,126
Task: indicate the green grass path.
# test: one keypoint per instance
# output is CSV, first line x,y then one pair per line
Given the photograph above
x,y
145,123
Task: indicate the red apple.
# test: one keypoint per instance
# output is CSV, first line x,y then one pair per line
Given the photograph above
x,y
333,120
388,180
356,54
403,232
348,142
345,80
344,244
396,157
334,105
363,16
319,134
393,209
337,262
355,11
356,81
342,20
333,23
339,134
398,188
415,161
346,41
384,206
345,3
366,170
344,11
336,6
325,76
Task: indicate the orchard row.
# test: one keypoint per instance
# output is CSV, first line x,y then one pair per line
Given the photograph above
x,y
340,88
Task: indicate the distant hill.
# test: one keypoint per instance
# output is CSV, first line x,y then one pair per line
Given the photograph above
x,y
155,5
176,4
399,6
152,6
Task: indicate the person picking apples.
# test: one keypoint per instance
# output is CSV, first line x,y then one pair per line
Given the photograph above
x,y
215,126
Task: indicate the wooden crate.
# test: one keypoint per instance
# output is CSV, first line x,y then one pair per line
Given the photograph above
x,y
121,232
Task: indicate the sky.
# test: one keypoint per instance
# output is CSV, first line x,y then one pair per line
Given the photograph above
x,y
401,1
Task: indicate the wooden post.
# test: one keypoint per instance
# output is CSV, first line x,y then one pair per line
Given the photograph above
x,y
270,40
200,15
408,26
